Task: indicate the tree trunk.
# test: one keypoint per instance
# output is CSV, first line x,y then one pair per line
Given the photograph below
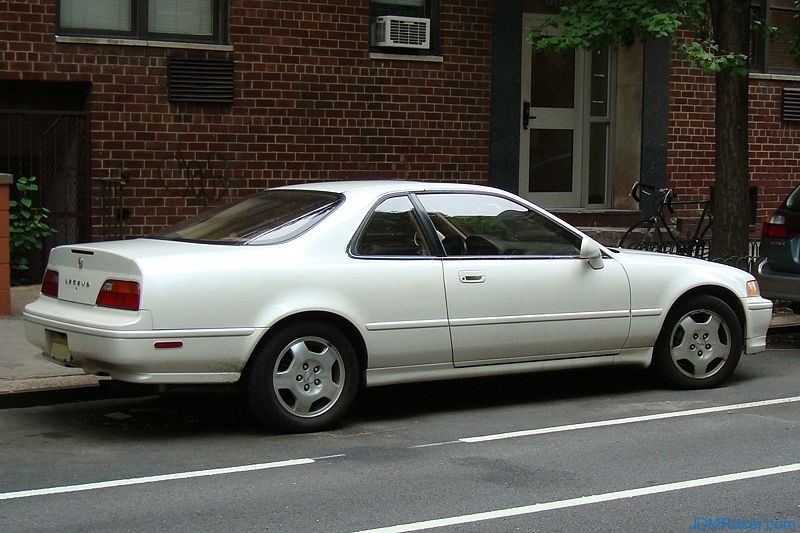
x,y
731,21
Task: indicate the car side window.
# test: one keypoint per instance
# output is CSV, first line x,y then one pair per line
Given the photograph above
x,y
483,224
392,230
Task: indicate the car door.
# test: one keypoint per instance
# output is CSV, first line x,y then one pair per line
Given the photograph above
x,y
516,287
396,283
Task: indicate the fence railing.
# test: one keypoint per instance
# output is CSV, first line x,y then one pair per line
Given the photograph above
x,y
700,249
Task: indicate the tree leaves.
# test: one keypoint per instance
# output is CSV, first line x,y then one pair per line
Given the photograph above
x,y
595,24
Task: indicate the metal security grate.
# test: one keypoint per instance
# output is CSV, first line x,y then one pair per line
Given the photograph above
x,y
200,80
790,104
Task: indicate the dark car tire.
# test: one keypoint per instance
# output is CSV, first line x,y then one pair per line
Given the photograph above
x,y
304,378
699,345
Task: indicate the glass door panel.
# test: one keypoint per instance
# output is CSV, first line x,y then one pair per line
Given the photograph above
x,y
553,79
551,161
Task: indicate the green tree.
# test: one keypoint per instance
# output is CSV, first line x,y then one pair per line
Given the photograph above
x,y
718,43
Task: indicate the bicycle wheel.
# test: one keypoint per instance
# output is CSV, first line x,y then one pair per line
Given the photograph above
x,y
644,235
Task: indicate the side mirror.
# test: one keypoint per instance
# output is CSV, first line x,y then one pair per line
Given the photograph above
x,y
590,251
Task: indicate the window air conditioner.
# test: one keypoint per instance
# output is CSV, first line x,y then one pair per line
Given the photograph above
x,y
401,32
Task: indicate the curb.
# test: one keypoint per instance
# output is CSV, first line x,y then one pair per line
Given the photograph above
x,y
17,386
51,391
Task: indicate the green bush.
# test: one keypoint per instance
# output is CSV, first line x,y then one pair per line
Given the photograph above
x,y
28,226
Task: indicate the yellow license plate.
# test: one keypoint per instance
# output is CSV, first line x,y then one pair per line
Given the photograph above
x,y
59,347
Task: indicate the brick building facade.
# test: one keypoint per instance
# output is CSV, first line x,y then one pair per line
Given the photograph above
x,y
110,126
774,141
308,104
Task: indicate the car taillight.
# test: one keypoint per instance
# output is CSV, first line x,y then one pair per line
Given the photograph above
x,y
775,227
50,283
119,295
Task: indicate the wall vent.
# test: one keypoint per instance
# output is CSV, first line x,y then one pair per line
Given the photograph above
x,y
200,80
790,104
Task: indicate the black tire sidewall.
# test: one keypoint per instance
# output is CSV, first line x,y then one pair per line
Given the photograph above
x,y
260,391
666,368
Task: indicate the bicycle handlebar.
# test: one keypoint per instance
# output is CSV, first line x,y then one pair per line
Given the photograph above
x,y
666,194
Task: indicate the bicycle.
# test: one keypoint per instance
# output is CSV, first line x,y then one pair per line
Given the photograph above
x,y
649,234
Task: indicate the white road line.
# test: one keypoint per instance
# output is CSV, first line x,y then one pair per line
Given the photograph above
x,y
585,500
151,479
629,420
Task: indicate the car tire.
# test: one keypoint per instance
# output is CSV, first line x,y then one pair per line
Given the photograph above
x,y
304,378
699,345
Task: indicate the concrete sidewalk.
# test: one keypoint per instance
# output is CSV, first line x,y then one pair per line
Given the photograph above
x,y
23,369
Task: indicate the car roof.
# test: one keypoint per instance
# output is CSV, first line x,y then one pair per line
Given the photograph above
x,y
380,187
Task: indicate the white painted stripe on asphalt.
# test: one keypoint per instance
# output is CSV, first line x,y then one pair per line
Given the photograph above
x,y
151,479
585,500
629,420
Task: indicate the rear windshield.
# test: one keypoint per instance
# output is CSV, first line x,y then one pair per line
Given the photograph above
x,y
793,201
268,217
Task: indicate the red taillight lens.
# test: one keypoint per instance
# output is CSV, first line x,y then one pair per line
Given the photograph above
x,y
775,227
50,283
119,295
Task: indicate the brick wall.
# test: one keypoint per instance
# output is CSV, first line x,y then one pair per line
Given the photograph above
x,y
310,104
5,258
774,144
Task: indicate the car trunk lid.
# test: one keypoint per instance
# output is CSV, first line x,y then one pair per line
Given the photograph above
x,y
83,270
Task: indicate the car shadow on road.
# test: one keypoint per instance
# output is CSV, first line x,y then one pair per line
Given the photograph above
x,y
400,401
189,411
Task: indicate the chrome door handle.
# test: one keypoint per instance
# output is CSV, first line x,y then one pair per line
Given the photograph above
x,y
468,276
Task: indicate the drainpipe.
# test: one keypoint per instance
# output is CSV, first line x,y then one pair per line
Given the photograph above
x,y
5,254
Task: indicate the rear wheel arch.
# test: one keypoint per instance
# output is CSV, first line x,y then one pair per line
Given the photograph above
x,y
305,373
341,323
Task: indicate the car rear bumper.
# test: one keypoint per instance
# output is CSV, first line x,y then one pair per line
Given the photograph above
x,y
778,285
145,356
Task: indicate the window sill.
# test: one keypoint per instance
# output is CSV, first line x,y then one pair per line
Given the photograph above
x,y
139,42
774,77
406,57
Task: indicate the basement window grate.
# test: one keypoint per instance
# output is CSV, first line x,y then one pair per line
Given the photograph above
x,y
200,80
790,104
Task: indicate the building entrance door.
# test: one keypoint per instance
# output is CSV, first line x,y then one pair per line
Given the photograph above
x,y
564,129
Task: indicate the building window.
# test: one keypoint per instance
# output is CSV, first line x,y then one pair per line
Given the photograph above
x,y
165,20
404,26
774,54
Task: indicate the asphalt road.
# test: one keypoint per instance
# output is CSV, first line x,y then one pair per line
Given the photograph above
x,y
592,450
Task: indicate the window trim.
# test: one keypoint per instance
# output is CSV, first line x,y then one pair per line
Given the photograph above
x,y
422,221
139,33
760,45
529,208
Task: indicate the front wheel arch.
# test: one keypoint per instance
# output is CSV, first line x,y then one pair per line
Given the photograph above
x,y
684,363
721,293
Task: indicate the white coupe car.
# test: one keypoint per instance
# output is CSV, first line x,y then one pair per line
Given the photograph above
x,y
306,293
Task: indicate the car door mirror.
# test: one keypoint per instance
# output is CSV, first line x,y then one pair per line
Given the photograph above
x,y
590,251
